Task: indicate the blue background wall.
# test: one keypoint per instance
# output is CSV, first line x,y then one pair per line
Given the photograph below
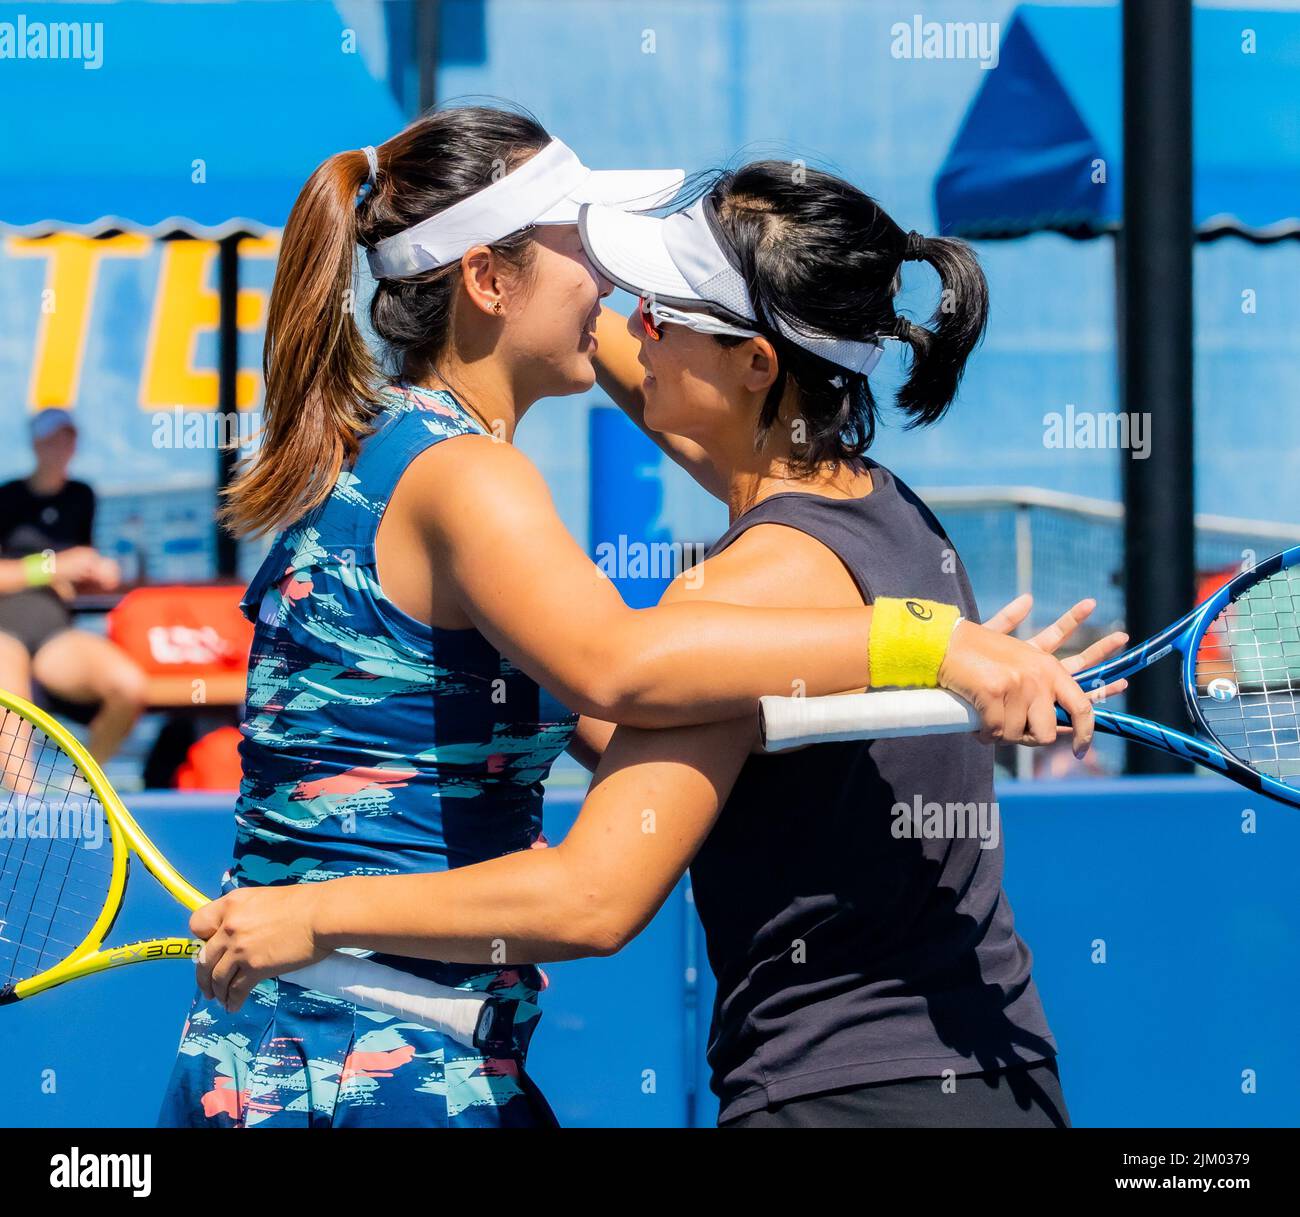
x,y
1198,921
703,83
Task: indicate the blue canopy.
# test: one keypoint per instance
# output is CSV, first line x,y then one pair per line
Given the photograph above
x,y
249,99
1026,155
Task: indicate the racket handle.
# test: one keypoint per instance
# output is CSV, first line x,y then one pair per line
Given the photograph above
x,y
472,1019
791,722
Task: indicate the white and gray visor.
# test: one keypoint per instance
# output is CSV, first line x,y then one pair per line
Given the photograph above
x,y
548,188
684,259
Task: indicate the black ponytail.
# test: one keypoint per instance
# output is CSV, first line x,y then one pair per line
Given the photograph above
x,y
822,256
939,354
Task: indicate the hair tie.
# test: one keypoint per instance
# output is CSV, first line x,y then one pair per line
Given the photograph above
x,y
372,159
915,249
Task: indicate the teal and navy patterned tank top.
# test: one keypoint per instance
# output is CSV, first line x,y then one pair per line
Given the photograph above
x,y
373,744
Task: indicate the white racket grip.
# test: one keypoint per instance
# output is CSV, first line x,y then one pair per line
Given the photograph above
x,y
454,1012
791,722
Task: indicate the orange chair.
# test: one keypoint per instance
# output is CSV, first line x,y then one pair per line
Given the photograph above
x,y
212,763
192,643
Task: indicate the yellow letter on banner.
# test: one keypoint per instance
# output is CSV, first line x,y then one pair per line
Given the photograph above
x,y
73,266
185,306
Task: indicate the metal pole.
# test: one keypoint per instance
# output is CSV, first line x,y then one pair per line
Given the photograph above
x,y
227,396
1156,255
1024,584
427,22
691,1002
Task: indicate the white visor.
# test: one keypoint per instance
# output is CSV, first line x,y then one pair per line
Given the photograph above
x,y
680,259
548,188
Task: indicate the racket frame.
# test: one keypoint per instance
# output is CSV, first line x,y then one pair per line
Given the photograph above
x,y
1185,636
127,838
493,1024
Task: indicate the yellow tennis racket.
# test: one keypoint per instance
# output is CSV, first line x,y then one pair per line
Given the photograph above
x,y
66,844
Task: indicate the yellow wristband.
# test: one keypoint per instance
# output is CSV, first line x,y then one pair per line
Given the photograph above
x,y
909,639
38,570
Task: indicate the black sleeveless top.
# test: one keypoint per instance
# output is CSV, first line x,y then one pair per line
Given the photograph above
x,y
855,940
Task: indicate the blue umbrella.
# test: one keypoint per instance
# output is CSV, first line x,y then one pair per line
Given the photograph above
x,y
1041,149
199,118
1028,153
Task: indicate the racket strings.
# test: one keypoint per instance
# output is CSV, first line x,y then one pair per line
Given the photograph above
x,y
1248,676
77,892
56,851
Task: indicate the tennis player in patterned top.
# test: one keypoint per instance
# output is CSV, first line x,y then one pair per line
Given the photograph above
x,y
422,595
373,745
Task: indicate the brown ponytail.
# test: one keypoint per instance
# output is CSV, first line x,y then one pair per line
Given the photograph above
x,y
321,377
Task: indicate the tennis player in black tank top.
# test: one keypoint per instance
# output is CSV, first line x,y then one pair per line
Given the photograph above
x,y
869,973
908,964
866,975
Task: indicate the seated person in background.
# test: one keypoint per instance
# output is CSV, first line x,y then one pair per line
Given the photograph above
x,y
46,557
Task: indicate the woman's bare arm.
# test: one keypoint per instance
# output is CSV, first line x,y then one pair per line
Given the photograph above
x,y
654,800
655,797
494,535
484,516
13,576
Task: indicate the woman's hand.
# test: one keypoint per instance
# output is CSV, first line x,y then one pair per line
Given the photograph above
x,y
1014,692
107,576
75,570
254,933
1015,686
1054,636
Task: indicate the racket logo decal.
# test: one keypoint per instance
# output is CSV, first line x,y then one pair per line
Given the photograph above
x,y
919,611
153,950
1221,688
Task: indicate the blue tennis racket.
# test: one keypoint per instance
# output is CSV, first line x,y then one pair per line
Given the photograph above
x,y
1239,653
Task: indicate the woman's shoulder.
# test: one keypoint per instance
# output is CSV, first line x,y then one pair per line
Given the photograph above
x,y
770,565
472,483
410,420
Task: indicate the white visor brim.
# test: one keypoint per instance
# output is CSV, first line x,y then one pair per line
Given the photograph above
x,y
549,188
623,189
678,259
629,250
